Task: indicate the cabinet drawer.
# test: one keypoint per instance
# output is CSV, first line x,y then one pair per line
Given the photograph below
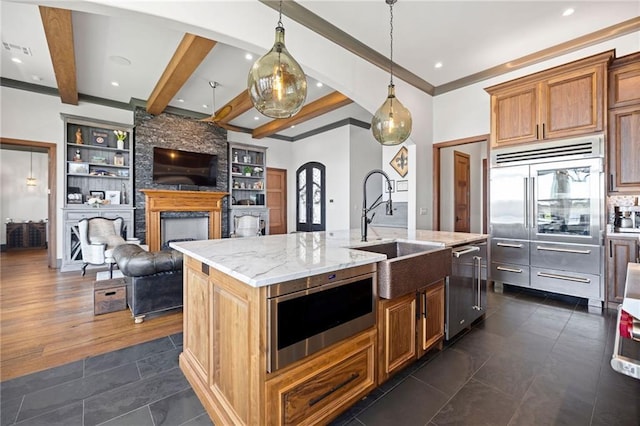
x,y
81,215
510,273
566,257
566,282
510,251
318,390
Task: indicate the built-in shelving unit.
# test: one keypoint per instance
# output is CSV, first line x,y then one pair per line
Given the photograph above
x,y
96,164
248,183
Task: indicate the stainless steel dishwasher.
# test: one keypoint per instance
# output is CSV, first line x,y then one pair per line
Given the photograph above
x,y
466,288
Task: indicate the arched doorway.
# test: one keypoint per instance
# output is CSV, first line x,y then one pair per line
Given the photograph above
x,y
310,197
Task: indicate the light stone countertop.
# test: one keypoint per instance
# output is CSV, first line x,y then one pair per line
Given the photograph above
x,y
272,259
631,301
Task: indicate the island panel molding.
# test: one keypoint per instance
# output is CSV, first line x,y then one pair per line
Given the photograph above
x,y
158,201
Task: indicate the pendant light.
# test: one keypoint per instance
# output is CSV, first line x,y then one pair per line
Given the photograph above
x,y
31,181
277,85
391,125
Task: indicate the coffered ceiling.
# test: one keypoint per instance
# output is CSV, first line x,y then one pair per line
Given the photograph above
x,y
77,55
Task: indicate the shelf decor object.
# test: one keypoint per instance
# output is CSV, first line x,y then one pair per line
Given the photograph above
x,y
120,136
277,84
391,124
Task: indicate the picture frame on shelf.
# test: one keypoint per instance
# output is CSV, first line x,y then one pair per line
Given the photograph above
x,y
74,198
99,137
79,168
97,194
402,186
113,197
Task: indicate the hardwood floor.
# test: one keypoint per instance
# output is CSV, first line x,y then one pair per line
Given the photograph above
x,y
47,320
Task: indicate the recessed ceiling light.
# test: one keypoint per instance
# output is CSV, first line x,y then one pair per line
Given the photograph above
x,y
180,100
36,78
120,60
568,12
293,126
256,118
16,60
115,84
438,65
319,84
205,106
248,56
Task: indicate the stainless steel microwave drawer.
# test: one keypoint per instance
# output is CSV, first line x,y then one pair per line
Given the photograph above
x,y
510,274
566,282
567,257
510,251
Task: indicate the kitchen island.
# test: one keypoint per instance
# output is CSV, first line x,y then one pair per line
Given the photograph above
x,y
230,329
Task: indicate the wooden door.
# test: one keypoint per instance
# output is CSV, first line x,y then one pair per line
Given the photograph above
x,y
624,149
573,103
622,251
277,200
462,191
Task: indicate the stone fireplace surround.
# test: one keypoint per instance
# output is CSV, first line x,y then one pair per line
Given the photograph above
x,y
174,132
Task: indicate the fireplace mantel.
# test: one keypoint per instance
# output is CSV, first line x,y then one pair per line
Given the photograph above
x,y
159,200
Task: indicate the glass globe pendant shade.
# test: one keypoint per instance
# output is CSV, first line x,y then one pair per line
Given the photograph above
x,y
391,124
277,85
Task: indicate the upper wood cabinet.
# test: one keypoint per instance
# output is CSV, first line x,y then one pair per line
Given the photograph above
x,y
564,101
624,81
624,124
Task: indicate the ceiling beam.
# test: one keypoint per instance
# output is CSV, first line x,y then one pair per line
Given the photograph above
x,y
234,108
187,57
58,31
311,110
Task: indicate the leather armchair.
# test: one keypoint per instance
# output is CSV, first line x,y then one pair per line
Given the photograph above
x,y
98,237
154,280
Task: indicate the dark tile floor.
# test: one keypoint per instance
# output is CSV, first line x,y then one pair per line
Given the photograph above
x,y
534,360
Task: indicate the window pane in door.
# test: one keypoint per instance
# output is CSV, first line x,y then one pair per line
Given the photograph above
x,y
302,196
317,197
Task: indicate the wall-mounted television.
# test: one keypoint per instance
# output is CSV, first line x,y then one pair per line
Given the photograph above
x,y
176,167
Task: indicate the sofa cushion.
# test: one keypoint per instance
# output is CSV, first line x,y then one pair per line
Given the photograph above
x,y
134,261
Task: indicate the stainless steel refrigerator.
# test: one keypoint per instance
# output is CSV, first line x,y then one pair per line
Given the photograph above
x,y
547,217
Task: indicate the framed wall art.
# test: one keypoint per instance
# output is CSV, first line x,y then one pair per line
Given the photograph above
x,y
113,197
400,162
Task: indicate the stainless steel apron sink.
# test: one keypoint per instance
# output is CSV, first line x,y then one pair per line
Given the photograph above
x,y
409,266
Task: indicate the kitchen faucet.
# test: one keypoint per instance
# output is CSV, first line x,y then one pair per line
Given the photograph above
x,y
364,221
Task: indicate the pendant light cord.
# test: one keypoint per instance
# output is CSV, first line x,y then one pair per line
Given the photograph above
x,y
280,14
390,38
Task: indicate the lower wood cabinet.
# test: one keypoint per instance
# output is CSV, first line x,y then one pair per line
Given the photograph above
x,y
408,327
431,321
26,235
318,390
396,334
620,252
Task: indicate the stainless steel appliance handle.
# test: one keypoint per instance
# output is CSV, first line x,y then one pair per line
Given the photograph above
x,y
564,277
533,203
510,245
563,250
504,268
478,260
471,249
526,202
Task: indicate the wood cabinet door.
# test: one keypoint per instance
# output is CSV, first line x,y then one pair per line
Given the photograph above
x,y
624,149
573,103
515,115
624,81
621,251
431,320
196,318
396,334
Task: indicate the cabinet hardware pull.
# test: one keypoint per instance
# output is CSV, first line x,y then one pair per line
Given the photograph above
x,y
509,245
611,182
524,200
466,251
478,305
543,131
537,136
319,398
564,277
610,248
424,301
563,250
503,268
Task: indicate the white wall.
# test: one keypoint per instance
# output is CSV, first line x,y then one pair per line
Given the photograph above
x,y
477,152
18,201
364,155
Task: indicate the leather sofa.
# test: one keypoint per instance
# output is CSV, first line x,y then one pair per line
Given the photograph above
x,y
154,280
